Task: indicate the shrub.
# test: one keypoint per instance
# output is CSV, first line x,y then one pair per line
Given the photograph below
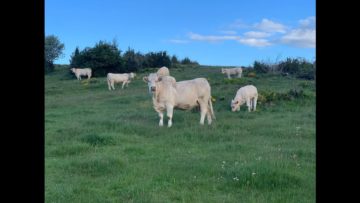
x,y
251,74
261,67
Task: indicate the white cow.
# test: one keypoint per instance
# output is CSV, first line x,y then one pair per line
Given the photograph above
x,y
113,78
163,71
232,71
82,71
246,94
168,94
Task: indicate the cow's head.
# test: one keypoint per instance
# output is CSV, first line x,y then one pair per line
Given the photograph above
x,y
72,70
132,75
235,105
223,70
151,80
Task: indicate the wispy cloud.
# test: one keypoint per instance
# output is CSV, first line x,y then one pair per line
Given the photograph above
x,y
270,26
304,38
211,38
238,24
262,34
254,42
254,34
308,22
228,32
178,41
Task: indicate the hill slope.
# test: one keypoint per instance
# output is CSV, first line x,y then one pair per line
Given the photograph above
x,y
106,146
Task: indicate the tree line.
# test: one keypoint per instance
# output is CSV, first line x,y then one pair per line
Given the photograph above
x,y
106,57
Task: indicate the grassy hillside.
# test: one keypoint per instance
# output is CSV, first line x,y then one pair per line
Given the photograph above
x,y
106,146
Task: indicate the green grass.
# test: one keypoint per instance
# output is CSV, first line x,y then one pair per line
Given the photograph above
x,y
106,146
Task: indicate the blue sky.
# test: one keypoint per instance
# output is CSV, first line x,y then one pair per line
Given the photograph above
x,y
212,32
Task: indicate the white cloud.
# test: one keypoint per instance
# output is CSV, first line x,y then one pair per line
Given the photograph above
x,y
253,34
238,24
212,38
300,38
255,42
178,41
270,26
308,22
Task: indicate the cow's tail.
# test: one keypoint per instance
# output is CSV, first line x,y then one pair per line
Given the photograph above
x,y
211,108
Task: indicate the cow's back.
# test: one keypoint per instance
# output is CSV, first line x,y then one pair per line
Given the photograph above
x,y
247,91
192,90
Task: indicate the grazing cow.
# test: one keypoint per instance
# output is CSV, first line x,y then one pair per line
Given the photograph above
x,y
163,71
82,71
168,94
125,78
232,71
246,94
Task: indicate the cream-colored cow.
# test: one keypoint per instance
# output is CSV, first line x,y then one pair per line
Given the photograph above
x,y
82,71
168,94
113,78
248,94
232,71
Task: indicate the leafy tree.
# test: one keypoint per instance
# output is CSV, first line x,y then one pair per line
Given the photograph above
x,y
174,60
157,59
133,61
53,50
187,61
103,58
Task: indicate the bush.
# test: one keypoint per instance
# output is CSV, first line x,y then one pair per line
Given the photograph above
x,y
49,67
251,74
298,67
270,96
261,67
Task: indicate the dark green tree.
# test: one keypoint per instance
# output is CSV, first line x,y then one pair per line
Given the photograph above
x,y
103,58
133,61
174,60
53,50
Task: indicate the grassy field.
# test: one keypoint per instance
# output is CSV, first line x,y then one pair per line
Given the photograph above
x,y
106,146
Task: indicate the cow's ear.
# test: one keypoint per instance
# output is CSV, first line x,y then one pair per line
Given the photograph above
x,y
145,79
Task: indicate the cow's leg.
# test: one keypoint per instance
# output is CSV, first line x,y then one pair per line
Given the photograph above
x,y
109,85
203,111
208,115
228,76
127,83
248,104
255,101
122,87
112,84
251,104
161,115
169,113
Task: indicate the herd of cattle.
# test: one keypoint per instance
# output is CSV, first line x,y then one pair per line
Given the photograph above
x,y
168,94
